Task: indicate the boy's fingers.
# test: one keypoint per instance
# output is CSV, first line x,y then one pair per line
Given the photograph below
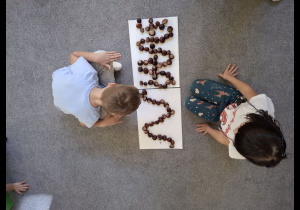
x,y
227,67
107,66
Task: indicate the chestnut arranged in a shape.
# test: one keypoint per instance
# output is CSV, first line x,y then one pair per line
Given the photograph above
x,y
160,119
154,71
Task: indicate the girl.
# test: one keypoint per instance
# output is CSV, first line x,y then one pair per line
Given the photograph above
x,y
248,128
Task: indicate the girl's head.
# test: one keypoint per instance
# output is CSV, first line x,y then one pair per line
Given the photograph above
x,y
259,141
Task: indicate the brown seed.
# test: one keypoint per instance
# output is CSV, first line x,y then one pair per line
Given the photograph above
x,y
164,52
171,34
147,28
150,60
138,43
144,128
139,20
161,26
162,73
145,62
150,20
150,72
145,83
142,30
146,49
151,26
167,36
167,82
156,40
151,51
171,56
152,32
154,137
172,112
164,64
155,51
170,28
157,23
156,84
164,21
171,146
145,70
140,62
146,125
150,82
138,25
142,41
140,69
147,39
165,86
146,132
141,48
150,134
160,86
162,39
144,92
159,136
173,82
141,82
155,57
154,77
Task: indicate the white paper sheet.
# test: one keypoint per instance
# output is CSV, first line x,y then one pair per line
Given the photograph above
x,y
171,127
170,44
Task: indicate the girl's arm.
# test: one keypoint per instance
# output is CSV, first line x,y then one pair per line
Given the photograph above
x,y
229,75
218,135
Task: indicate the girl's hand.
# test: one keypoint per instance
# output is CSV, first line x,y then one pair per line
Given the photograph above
x,y
105,58
229,72
20,187
203,127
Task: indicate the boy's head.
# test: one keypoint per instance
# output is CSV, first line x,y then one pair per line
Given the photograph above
x,y
120,99
259,141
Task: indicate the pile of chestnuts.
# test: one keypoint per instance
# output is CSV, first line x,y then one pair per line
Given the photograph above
x,y
154,70
160,119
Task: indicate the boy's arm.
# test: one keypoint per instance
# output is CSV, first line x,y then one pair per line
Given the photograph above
x,y
107,121
229,75
103,58
218,135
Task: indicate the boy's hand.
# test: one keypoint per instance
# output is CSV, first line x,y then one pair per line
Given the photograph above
x,y
203,127
20,187
105,58
229,72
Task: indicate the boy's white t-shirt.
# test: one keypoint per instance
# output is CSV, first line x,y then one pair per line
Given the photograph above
x,y
71,87
233,115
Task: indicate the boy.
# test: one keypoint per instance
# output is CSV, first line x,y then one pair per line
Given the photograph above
x,y
87,89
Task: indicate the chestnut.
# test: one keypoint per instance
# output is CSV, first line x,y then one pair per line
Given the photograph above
x,y
164,137
138,43
154,137
150,20
158,103
153,101
168,52
141,48
151,123
141,82
169,62
164,21
161,26
150,134
162,39
152,46
151,39
142,30
164,52
149,100
155,26
169,109
160,119
171,34
156,84
164,116
156,122
167,82
164,64
151,51
159,136
172,112
157,23
150,72
173,82
146,49
145,70
171,56
151,26
145,83
139,20
172,142
164,86
142,41
155,51
144,98
146,132
168,74
168,115
154,77
150,82
159,50
150,60
138,25
170,28
140,69
152,32
144,128
166,36
159,65
171,78
171,146
144,92
162,101
146,125
156,40
166,105
147,39
147,28
140,62
160,86
155,57
145,62
162,73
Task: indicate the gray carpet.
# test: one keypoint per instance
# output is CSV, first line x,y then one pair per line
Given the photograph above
x,y
104,168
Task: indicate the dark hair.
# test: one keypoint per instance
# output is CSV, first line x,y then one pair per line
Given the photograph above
x,y
260,141
121,99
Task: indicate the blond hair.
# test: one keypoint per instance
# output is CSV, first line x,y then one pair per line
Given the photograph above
x,y
121,99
